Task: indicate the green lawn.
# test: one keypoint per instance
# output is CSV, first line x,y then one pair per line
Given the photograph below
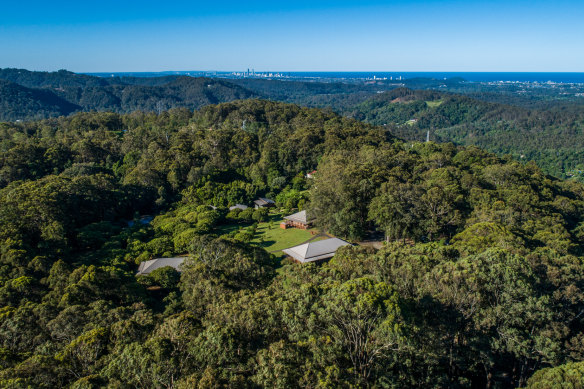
x,y
225,229
270,236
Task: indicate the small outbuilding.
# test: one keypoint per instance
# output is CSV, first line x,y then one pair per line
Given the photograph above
x,y
147,267
263,202
298,220
315,251
238,206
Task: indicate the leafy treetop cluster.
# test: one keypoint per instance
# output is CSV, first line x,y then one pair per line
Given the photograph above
x,y
551,136
480,284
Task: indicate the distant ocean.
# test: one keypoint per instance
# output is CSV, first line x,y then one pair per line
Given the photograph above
x,y
469,76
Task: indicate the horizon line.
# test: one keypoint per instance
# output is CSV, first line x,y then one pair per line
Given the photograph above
x,y
326,71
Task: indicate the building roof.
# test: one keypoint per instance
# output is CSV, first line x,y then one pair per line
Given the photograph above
x,y
238,206
148,266
262,202
315,251
299,217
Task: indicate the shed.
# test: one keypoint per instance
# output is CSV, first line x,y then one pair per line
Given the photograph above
x,y
263,202
298,220
238,206
147,267
315,251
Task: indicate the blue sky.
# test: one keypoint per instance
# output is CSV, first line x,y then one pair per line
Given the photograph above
x,y
293,36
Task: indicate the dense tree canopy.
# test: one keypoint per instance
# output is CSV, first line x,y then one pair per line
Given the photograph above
x,y
479,283
549,136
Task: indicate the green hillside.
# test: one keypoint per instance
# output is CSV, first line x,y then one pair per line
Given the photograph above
x,y
35,95
20,103
551,137
479,281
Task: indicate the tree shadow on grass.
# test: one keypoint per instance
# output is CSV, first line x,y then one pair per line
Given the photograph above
x,y
266,243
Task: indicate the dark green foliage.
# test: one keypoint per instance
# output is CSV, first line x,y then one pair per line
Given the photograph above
x,y
18,102
543,125
165,277
36,95
480,282
551,136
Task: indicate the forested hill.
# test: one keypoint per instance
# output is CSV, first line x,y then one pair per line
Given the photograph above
x,y
44,94
126,94
17,101
552,137
338,96
481,282
59,79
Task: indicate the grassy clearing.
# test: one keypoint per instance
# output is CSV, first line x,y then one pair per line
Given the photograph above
x,y
271,237
434,104
225,229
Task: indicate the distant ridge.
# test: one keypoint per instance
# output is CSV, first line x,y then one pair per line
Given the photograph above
x,y
34,95
61,78
18,103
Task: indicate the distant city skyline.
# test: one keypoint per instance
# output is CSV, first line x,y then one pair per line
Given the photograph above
x,y
148,36
485,77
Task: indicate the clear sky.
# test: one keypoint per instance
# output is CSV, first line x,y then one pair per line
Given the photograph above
x,y
449,35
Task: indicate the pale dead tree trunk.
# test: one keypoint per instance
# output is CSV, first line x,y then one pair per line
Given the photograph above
x,y
357,337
